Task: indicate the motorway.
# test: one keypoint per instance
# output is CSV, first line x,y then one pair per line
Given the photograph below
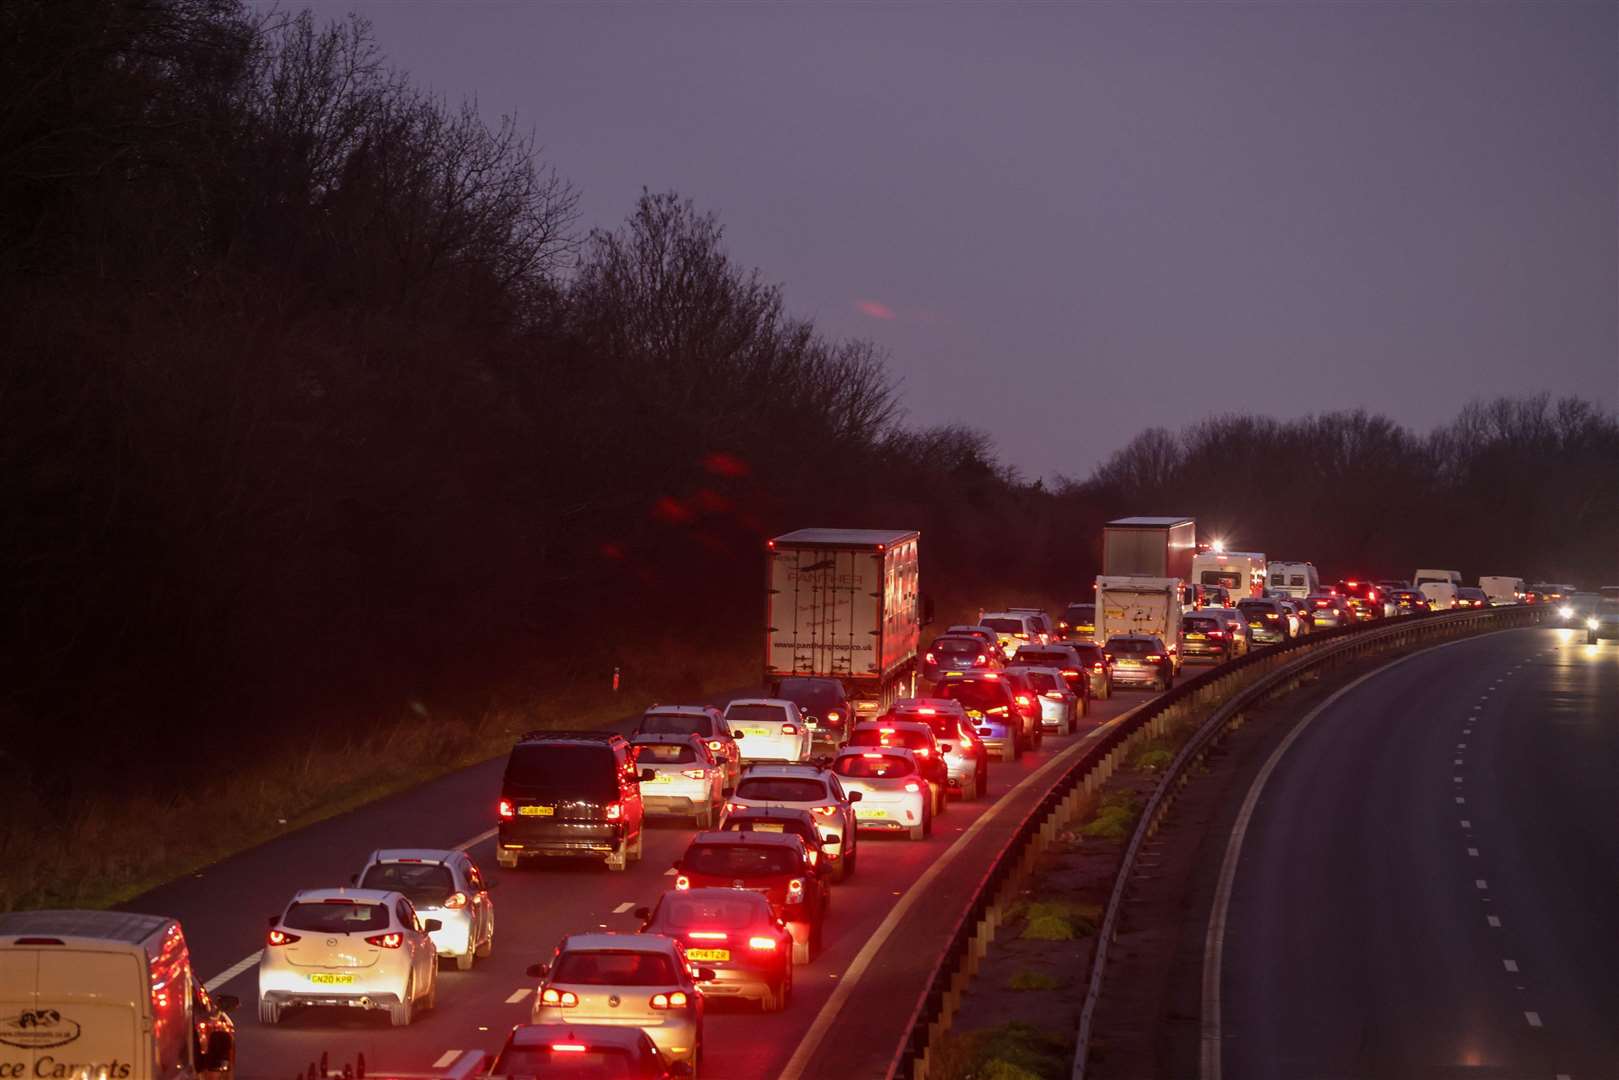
x,y
1428,883
223,910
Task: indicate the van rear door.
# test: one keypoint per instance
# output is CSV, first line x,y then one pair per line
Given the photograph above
x,y
64,1010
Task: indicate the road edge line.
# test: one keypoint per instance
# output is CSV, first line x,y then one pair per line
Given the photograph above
x,y
1210,1056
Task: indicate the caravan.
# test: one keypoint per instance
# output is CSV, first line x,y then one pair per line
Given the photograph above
x,y
1295,579
1241,573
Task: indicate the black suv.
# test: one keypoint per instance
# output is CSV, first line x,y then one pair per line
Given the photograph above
x,y
824,704
571,793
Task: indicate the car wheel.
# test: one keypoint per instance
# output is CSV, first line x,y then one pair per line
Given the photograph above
x,y
464,962
400,1015
269,1013
430,1002
801,951
619,860
506,859
487,949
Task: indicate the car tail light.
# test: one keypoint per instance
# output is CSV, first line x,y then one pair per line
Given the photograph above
x,y
996,710
833,716
568,1048
1152,658
828,811
674,1000
708,935
993,676
913,787
795,890
1216,633
457,901
1271,615
507,811
1096,667
1069,674
281,937
562,999
763,944
930,658
1021,637
386,941
789,729
865,756
682,883
695,774
715,745
922,752
927,710
614,811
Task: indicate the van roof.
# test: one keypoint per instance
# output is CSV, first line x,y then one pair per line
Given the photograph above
x,y
123,926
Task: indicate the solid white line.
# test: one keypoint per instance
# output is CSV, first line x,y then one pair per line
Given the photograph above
x,y
445,1058
248,961
1493,921
231,972
811,1041
1510,965
1214,940
626,905
519,994
1533,1018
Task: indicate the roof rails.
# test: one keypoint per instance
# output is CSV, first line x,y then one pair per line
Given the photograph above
x,y
593,736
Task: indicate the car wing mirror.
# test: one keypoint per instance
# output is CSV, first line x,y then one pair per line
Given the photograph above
x,y
738,734
831,838
226,1002
430,925
649,774
854,796
537,971
642,913
945,748
707,974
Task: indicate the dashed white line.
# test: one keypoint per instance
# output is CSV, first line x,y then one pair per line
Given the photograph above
x,y
1493,921
1510,965
626,905
1466,824
669,872
1473,851
1481,883
1458,761
1460,801
231,972
1454,779
1533,1018
519,994
474,842
445,1058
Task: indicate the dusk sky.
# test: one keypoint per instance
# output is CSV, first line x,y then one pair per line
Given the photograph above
x,y
1070,221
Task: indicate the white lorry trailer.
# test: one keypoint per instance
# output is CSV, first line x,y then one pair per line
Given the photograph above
x,y
845,604
1140,605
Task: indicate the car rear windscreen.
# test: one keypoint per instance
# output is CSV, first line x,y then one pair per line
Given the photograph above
x,y
426,884
337,917
676,724
679,912
739,860
816,693
664,754
1080,615
976,695
956,646
740,821
627,968
585,1063
583,769
1057,658
1090,654
874,766
1199,625
1006,626
755,714
910,740
781,789
1131,647
1045,683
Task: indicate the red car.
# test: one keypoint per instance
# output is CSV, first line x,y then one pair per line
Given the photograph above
x,y
774,865
965,756
733,933
1364,598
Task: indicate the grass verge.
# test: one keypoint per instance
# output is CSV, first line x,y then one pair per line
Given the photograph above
x,y
1013,1051
103,851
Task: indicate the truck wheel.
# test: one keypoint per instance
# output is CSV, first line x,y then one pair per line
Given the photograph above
x,y
269,1013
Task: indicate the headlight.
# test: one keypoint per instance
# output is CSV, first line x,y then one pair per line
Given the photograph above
x,y
1591,624
1565,612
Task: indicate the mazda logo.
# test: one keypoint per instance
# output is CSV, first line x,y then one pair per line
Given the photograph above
x,y
331,941
612,1002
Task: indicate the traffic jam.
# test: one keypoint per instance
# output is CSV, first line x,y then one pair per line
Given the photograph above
x,y
692,894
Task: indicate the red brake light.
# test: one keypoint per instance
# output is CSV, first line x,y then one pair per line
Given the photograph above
x,y
832,716
789,729
280,937
795,890
1216,633
708,935
980,660
506,810
763,944
1067,673
568,1048
565,999
386,941
715,745
682,883
867,755
927,711
1152,657
828,811
615,811
1023,699
1096,667
457,901
992,675
930,658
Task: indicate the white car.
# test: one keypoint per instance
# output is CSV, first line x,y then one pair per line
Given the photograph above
x,y
1059,706
1014,629
442,885
768,729
805,787
625,980
686,780
893,793
353,948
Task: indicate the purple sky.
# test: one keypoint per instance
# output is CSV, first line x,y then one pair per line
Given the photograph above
x,y
1070,221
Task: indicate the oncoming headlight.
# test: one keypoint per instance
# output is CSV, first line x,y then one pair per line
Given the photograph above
x,y
1565,612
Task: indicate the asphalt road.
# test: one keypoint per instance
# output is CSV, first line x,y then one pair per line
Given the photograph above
x,y
223,911
1428,884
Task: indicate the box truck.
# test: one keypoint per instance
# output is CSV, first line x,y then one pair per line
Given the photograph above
x,y
845,604
1155,547
1140,605
109,995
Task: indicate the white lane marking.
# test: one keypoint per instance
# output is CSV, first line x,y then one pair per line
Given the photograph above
x,y
1458,761
1533,1018
1493,921
669,872
445,1058
1214,940
1467,731
248,961
1460,801
794,1069
518,995
626,905
1461,746
231,972
1510,965
1481,883
1473,851
1466,824
1456,779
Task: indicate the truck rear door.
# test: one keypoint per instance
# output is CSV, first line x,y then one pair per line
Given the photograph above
x,y
824,611
80,1008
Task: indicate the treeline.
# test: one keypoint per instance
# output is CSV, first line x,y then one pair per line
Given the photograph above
x,y
319,410
1528,487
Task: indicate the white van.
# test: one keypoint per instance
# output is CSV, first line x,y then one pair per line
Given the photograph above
x,y
1296,579
1451,577
1441,595
106,994
1503,590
